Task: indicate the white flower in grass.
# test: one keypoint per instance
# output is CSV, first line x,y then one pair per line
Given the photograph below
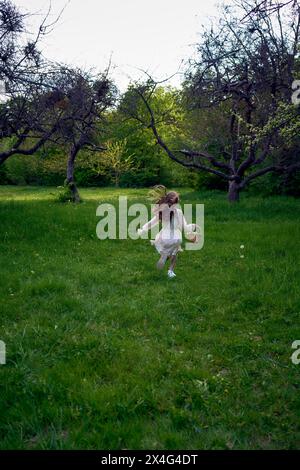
x,y
242,247
242,256
201,385
55,327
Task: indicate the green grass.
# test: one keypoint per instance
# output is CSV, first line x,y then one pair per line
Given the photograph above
x,y
104,352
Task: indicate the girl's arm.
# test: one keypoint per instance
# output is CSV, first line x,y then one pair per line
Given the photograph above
x,y
154,221
188,227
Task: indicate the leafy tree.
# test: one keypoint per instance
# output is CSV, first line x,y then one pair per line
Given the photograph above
x,y
245,70
84,100
131,122
115,161
44,102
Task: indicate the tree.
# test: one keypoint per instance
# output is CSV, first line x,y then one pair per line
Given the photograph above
x,y
84,100
115,160
269,6
245,70
131,121
27,120
44,102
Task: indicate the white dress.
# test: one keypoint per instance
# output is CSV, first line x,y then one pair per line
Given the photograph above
x,y
168,240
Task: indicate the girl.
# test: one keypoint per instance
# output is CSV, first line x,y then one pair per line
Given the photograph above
x,y
168,240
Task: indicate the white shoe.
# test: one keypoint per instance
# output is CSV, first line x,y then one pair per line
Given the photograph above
x,y
171,274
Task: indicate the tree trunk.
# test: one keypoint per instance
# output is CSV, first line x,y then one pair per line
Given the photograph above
x,y
70,182
233,191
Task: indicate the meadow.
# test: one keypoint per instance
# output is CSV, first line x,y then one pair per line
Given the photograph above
x,y
105,352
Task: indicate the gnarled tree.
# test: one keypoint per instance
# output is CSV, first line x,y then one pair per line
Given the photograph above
x,y
27,120
244,71
84,100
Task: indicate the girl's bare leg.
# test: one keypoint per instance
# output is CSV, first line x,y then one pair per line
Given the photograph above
x,y
173,259
162,261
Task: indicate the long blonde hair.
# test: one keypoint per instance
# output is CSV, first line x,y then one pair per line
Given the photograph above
x,y
159,196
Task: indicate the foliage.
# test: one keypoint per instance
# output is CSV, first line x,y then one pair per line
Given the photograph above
x,y
245,66
233,110
115,161
64,193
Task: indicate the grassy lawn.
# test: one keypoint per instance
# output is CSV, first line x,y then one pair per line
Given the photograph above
x,y
104,352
